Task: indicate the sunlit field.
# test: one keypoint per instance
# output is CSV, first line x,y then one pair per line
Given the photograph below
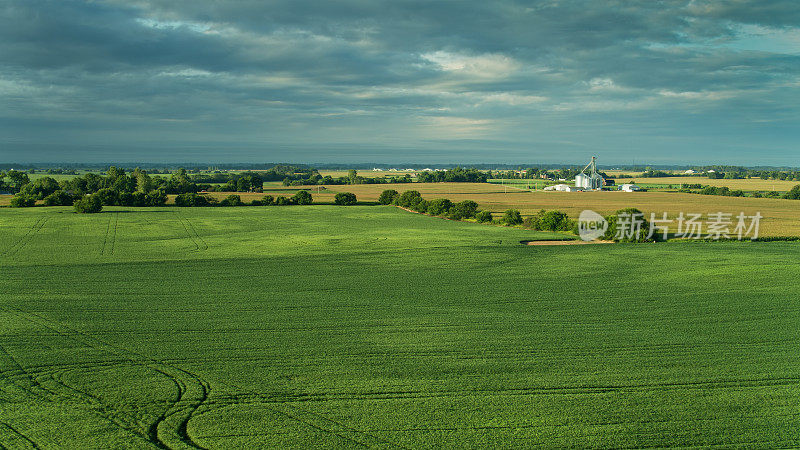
x,y
369,326
781,217
749,184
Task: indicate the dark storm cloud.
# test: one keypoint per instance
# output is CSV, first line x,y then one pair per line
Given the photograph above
x,y
393,74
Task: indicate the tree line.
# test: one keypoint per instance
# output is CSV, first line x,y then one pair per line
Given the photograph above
x,y
793,194
352,177
468,209
455,175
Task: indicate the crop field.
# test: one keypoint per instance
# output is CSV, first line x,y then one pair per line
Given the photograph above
x,y
750,184
369,326
781,217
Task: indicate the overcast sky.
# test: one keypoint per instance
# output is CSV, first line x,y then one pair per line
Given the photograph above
x,y
400,81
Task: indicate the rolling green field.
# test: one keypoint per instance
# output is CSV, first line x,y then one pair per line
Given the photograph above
x,y
369,326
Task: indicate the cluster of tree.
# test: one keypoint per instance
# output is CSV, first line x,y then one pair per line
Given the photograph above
x,y
345,199
136,181
549,221
658,174
726,175
13,180
88,204
232,182
770,194
253,181
352,178
116,188
739,172
194,200
455,175
136,188
778,175
793,194
721,190
566,173
512,217
413,200
629,225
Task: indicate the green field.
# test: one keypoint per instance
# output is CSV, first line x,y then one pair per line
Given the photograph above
x,y
369,326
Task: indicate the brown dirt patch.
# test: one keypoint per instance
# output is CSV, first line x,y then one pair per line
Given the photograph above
x,y
575,242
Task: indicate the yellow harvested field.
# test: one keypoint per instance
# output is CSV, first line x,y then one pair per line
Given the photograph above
x,y
616,173
751,184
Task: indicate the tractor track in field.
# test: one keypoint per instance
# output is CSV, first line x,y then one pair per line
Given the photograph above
x,y
38,379
203,243
277,398
192,391
105,236
114,234
26,238
310,422
219,403
31,387
191,232
110,238
30,442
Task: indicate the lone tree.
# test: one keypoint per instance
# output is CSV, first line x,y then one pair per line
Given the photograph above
x,y
629,225
58,198
231,200
22,201
303,198
793,194
512,217
408,199
484,216
89,204
18,179
439,206
463,210
388,196
345,199
283,201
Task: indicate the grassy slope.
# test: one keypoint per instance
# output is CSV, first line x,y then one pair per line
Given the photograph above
x,y
325,325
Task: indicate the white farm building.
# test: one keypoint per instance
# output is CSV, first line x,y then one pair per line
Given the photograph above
x,y
563,188
629,188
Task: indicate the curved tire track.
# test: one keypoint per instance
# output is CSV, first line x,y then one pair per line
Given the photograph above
x,y
169,430
191,233
26,238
